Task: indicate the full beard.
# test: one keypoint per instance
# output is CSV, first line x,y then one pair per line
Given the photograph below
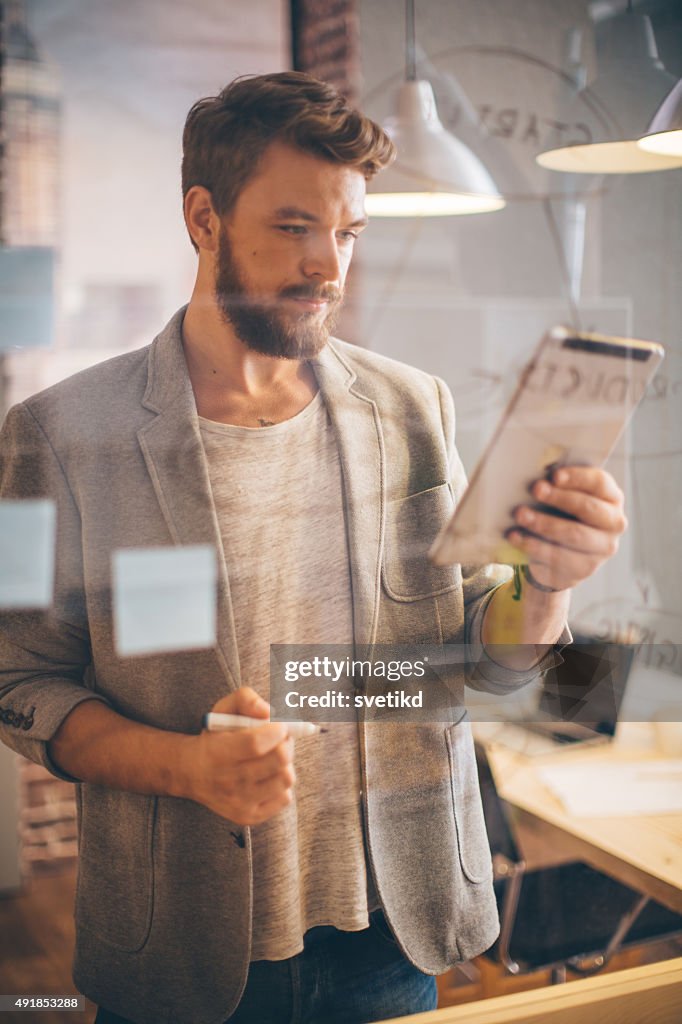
x,y
260,325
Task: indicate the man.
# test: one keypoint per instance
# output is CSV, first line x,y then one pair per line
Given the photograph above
x,y
214,882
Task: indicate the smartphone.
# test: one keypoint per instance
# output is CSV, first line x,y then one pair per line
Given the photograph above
x,y
572,403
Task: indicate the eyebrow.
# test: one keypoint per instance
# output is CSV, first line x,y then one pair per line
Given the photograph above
x,y
297,213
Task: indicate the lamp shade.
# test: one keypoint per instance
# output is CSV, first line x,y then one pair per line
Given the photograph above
x,y
434,174
630,84
664,134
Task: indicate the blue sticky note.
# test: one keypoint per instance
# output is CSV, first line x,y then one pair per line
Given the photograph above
x,y
26,297
164,599
27,538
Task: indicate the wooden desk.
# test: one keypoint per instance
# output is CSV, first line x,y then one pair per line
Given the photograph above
x,y
644,852
642,995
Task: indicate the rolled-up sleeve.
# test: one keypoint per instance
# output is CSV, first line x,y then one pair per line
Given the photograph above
x,y
479,584
486,674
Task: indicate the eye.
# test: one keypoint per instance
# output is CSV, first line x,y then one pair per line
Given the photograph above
x,y
293,229
348,236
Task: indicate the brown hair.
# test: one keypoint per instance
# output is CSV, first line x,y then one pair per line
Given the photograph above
x,y
226,135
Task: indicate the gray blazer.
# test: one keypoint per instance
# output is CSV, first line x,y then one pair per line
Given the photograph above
x,y
163,904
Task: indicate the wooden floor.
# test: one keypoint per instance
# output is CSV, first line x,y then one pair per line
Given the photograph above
x,y
36,947
37,938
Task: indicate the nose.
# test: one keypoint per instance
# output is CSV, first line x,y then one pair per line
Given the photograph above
x,y
322,260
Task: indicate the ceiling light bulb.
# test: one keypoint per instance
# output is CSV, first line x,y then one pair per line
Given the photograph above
x,y
664,134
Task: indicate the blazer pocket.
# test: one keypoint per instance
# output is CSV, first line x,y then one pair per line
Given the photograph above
x,y
411,528
114,895
472,838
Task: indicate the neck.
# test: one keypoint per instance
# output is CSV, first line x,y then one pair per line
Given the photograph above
x,y
216,357
231,383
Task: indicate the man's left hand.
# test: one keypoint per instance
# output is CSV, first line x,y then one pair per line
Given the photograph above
x,y
563,552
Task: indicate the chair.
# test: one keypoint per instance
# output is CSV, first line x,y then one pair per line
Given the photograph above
x,y
566,916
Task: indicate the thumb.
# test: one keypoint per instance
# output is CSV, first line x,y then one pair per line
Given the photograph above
x,y
244,701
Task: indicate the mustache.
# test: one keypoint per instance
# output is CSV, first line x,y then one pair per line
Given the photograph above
x,y
320,293
325,293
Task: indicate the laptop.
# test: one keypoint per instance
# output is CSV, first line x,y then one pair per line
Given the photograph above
x,y
579,702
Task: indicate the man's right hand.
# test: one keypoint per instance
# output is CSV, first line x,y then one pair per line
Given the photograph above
x,y
246,775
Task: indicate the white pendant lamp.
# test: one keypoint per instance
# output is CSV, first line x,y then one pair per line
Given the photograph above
x,y
630,84
664,134
434,174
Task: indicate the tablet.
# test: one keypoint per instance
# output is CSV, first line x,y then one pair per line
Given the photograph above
x,y
572,403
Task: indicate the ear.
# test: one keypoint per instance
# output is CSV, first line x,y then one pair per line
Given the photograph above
x,y
203,223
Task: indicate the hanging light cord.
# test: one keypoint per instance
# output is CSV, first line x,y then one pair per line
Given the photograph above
x,y
555,235
410,46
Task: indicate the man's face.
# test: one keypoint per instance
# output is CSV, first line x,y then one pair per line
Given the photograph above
x,y
285,250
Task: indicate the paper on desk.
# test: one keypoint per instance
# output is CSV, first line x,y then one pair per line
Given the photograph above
x,y
27,532
164,599
615,790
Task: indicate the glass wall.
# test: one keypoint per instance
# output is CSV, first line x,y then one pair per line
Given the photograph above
x,y
95,99
468,297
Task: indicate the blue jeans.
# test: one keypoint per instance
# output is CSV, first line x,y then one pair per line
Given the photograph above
x,y
339,978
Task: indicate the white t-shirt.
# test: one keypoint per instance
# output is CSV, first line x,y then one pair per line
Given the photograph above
x,y
278,492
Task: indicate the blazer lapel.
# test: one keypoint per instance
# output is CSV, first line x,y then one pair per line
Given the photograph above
x,y
355,419
174,454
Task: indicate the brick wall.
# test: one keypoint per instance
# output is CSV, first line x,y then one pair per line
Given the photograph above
x,y
47,809
326,42
47,821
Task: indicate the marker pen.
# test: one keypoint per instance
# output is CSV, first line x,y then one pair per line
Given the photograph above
x,y
214,721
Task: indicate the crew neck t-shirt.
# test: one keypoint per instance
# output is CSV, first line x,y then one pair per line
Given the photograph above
x,y
278,493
